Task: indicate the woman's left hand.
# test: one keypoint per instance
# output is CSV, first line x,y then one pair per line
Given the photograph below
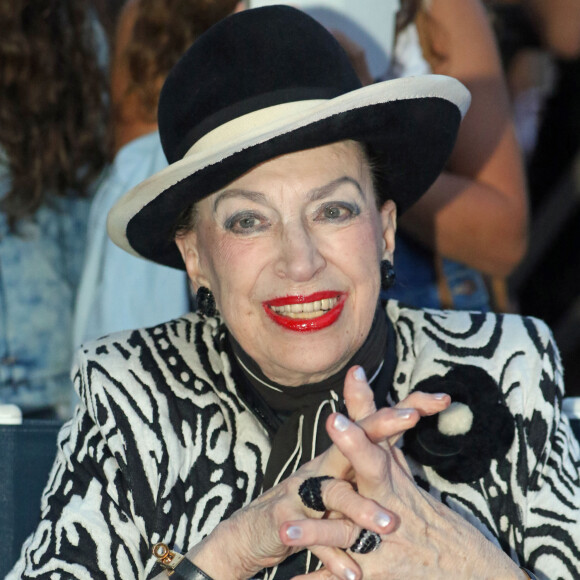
x,y
360,404
430,539
378,425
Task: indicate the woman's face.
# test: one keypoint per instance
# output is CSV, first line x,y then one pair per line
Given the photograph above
x,y
291,252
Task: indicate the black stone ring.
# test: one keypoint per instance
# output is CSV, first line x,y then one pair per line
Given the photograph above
x,y
310,493
366,542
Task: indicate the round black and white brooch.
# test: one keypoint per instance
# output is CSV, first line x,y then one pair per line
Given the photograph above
x,y
460,443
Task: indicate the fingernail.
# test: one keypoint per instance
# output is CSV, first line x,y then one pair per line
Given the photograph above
x,y
341,423
349,574
440,396
359,374
383,519
294,532
404,413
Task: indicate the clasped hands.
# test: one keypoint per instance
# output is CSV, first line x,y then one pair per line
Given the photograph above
x,y
371,488
361,461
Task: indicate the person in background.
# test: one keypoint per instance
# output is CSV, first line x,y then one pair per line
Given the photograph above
x,y
558,24
540,44
537,40
118,292
53,113
470,229
108,14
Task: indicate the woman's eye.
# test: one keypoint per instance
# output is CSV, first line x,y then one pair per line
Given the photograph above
x,y
245,223
337,212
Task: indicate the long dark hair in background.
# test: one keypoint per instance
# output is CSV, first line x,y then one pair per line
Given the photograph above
x,y
163,31
52,104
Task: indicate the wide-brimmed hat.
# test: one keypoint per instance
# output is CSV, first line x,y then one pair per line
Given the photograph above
x,y
269,81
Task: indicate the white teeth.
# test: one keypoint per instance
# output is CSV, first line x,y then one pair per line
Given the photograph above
x,y
306,309
305,315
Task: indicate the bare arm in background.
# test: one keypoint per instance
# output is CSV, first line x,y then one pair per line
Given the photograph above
x,y
129,119
476,211
558,24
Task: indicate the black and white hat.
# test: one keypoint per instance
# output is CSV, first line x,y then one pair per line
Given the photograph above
x,y
269,81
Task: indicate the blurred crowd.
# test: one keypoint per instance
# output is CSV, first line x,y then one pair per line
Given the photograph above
x,y
80,83
540,48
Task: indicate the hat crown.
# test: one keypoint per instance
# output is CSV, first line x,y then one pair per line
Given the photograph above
x,y
229,81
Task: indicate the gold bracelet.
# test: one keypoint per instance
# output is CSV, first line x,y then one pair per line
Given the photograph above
x,y
175,563
166,557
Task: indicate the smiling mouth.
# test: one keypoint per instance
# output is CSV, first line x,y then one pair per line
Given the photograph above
x,y
306,313
307,310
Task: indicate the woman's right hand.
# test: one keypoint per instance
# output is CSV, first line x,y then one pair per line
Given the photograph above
x,y
251,539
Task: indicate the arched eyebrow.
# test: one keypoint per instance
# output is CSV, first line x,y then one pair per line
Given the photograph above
x,y
313,195
255,196
326,190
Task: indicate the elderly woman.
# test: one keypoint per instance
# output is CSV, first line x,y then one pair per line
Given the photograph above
x,y
244,441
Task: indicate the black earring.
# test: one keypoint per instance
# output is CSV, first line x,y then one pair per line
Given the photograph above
x,y
205,301
387,274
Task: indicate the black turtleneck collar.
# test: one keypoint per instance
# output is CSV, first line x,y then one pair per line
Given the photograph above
x,y
377,356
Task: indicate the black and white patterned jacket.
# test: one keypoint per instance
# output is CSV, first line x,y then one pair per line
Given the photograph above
x,y
162,447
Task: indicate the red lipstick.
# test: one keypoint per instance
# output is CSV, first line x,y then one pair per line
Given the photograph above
x,y
306,324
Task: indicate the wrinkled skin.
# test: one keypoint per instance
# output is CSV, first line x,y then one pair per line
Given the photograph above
x,y
260,529
428,539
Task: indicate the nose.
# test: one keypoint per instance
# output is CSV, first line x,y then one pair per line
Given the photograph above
x,y
300,258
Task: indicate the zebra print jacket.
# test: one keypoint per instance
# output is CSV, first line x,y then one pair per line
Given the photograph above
x,y
162,447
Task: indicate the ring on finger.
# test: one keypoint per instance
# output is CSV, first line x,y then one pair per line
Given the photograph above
x,y
310,492
366,542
